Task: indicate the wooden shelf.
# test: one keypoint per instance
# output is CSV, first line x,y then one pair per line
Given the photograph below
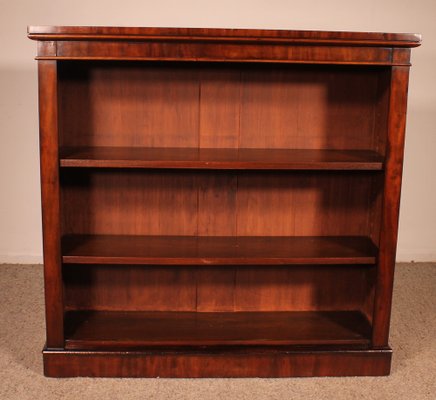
x,y
100,329
194,158
219,250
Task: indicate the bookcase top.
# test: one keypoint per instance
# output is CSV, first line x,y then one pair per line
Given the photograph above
x,y
342,38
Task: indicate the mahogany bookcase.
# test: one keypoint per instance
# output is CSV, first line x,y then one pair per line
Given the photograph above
x,y
219,203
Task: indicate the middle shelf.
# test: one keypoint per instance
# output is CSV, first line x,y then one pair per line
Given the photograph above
x,y
217,250
220,158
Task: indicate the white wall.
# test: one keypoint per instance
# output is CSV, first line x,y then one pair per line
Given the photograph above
x,y
20,227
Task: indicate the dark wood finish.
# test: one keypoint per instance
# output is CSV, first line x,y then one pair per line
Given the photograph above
x,y
105,330
221,364
391,204
216,289
194,158
47,49
243,45
216,250
209,34
199,105
48,137
380,128
220,203
401,56
170,51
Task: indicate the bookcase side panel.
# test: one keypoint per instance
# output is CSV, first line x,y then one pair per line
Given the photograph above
x,y
391,204
50,194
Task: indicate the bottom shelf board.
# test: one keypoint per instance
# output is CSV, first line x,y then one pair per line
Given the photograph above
x,y
124,330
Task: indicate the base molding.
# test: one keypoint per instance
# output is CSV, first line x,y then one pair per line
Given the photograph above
x,y
217,364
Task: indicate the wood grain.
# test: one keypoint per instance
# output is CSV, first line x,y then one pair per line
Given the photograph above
x,y
154,105
220,203
225,364
210,34
210,250
100,330
50,195
129,202
304,204
179,106
219,107
136,202
391,205
210,158
225,52
217,289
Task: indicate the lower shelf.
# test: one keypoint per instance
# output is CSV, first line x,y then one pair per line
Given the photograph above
x,y
86,330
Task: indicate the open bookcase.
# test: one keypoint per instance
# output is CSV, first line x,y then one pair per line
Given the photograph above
x,y
219,203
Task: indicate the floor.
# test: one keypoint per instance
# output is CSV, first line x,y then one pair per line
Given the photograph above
x,y
413,338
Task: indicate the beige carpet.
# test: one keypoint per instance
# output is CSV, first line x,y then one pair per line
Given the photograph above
x,y
413,338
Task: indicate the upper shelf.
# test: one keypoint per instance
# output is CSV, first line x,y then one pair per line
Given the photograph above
x,y
217,35
194,158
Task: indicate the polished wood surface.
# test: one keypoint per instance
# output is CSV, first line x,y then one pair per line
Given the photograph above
x,y
50,195
206,363
204,288
220,203
210,250
231,45
209,34
391,205
196,105
194,158
103,330
249,53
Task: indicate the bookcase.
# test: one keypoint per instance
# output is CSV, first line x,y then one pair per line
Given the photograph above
x,y
219,203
